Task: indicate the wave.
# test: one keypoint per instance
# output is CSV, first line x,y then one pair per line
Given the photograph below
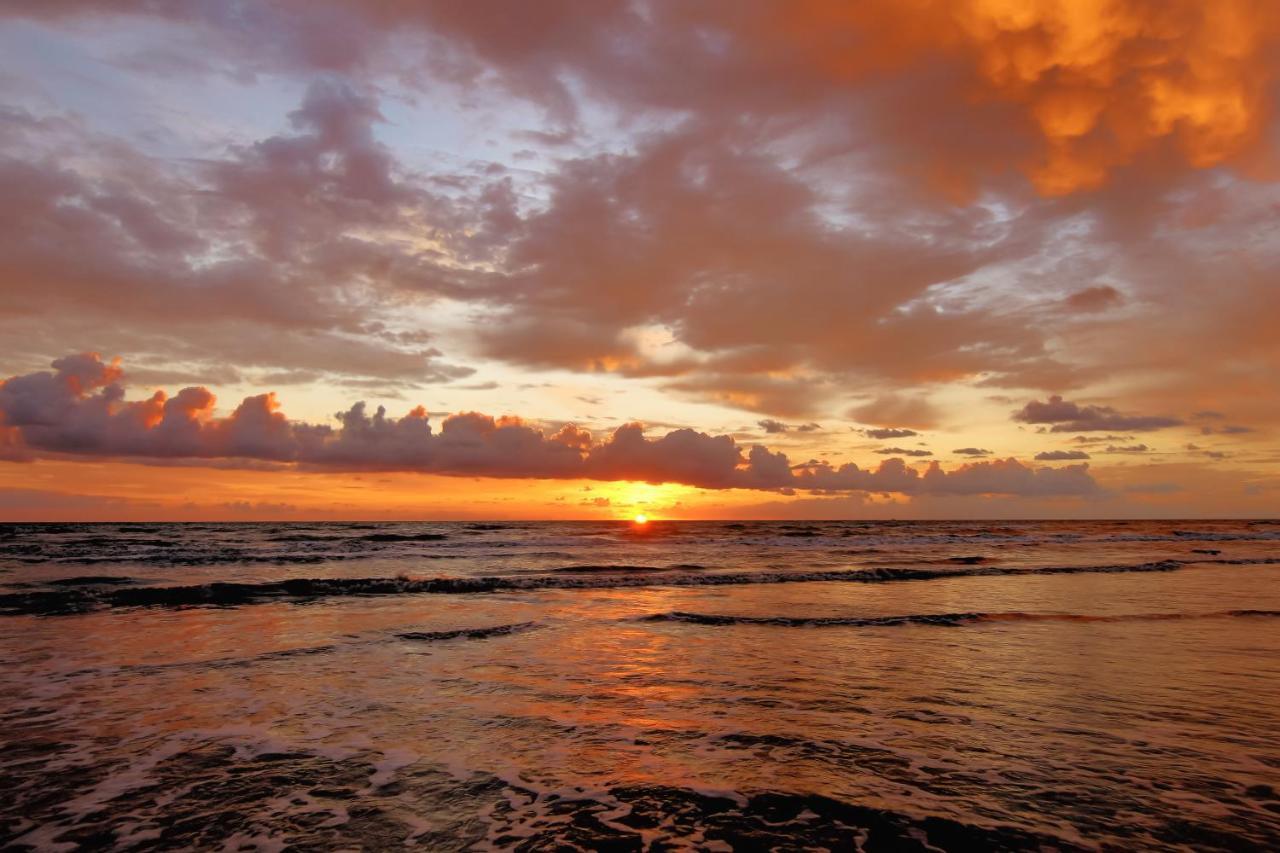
x,y
607,569
273,547
624,818
467,633
82,599
238,661
403,537
947,620
336,801
93,580
222,556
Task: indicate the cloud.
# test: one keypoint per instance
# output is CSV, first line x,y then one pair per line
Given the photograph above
x,y
731,255
901,451
773,427
809,206
889,432
1128,448
1060,455
1230,429
80,408
1099,439
973,451
1069,97
1154,488
1098,298
1203,451
1001,476
906,411
275,254
1072,417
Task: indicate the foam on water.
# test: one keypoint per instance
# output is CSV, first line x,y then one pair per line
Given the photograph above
x,y
906,686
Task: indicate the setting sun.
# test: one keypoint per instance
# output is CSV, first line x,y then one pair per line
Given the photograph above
x,y
641,519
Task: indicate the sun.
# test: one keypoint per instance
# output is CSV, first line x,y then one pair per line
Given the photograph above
x,y
641,519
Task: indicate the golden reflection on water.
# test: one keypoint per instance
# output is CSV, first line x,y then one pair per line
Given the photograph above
x,y
966,722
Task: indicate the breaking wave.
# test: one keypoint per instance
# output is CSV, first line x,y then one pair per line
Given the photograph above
x,y
211,795
466,633
946,620
84,598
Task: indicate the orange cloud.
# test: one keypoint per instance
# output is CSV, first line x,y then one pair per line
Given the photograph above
x,y
1099,84
81,409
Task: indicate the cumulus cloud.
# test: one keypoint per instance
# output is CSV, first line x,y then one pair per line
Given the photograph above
x,y
1066,416
81,408
1060,455
1001,476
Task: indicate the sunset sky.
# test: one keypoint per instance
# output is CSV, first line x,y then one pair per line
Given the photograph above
x,y
583,259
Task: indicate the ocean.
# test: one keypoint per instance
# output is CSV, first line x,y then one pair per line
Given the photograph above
x,y
678,685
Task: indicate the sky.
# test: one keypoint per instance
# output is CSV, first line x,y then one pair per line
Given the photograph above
x,y
588,259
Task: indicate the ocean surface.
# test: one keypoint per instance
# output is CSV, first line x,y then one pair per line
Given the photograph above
x,y
703,686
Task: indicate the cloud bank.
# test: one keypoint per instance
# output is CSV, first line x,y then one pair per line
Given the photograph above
x,y
80,408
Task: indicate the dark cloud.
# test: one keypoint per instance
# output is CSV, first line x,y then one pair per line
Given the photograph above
x,y
1060,455
1230,429
1072,417
901,451
972,451
1128,448
1098,298
1100,439
889,432
1206,452
771,426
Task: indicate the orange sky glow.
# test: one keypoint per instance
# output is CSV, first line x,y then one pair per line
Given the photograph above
x,y
815,259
